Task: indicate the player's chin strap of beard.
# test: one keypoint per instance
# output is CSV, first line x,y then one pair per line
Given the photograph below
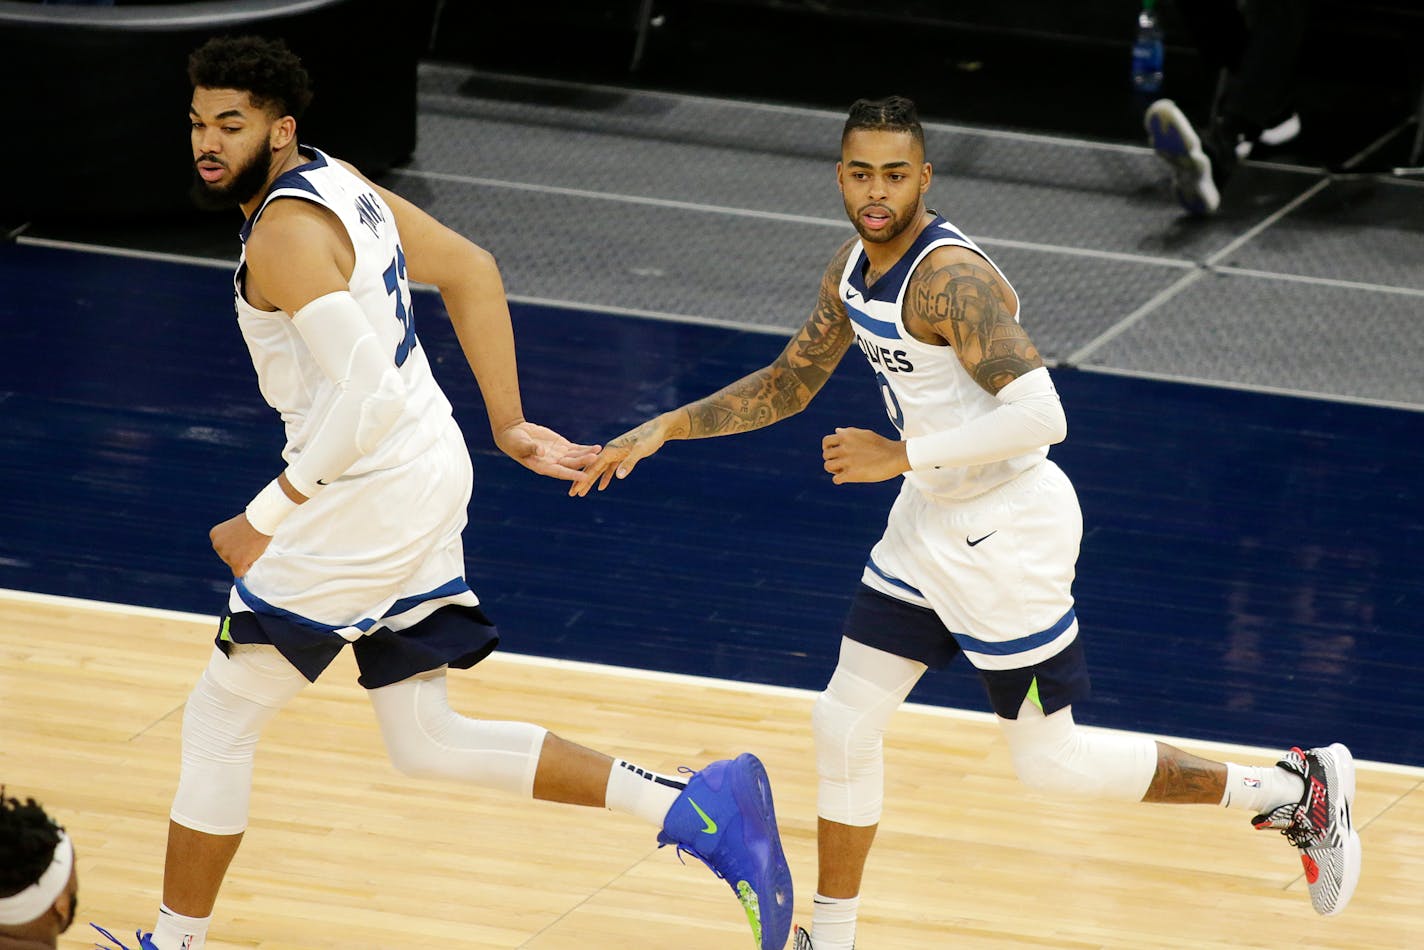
x,y
35,901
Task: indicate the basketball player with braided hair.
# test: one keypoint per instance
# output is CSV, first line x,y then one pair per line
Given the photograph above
x,y
980,547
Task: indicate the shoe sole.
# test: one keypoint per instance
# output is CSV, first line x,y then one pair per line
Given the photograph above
x,y
752,790
1351,847
1177,144
1281,133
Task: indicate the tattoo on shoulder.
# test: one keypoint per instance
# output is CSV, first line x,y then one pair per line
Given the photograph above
x,y
967,304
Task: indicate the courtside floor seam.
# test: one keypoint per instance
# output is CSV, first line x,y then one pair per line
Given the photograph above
x,y
785,332
680,679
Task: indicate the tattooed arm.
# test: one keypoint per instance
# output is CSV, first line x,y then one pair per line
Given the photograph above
x,y
770,394
956,298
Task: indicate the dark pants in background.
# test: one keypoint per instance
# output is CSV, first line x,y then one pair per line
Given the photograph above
x,y
1258,44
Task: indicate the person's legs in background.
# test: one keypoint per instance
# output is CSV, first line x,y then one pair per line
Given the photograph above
x,y
1257,47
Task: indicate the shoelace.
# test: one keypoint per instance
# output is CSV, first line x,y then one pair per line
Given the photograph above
x,y
1301,832
118,944
681,851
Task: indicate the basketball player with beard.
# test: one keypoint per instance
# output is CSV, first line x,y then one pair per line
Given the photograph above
x,y
358,540
980,546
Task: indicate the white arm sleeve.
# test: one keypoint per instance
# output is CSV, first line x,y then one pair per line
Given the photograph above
x,y
370,394
1029,417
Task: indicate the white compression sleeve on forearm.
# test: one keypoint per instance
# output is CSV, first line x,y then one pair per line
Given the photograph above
x,y
369,392
1029,417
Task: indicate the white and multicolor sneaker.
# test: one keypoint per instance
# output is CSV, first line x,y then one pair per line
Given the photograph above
x,y
1175,141
1320,824
802,940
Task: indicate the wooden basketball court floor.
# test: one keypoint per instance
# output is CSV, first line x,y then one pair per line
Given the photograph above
x,y
345,852
1250,568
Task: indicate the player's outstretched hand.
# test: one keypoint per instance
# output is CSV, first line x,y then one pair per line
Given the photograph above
x,y
543,450
619,456
859,455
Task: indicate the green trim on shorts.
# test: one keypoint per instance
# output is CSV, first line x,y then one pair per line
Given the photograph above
x,y
1033,694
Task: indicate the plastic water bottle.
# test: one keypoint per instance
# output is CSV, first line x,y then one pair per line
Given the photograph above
x,y
1147,52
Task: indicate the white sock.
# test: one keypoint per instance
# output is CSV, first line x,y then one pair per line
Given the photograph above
x,y
833,922
633,790
1260,788
176,932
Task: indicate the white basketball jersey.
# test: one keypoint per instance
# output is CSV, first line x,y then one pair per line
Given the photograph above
x,y
924,386
290,379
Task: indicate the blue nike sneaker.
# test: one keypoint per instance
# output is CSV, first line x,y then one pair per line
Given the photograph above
x,y
145,941
725,818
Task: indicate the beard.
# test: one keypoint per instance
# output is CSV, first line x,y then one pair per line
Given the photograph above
x,y
898,223
248,180
67,922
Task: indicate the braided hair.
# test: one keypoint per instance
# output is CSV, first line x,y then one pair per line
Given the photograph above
x,y
892,114
28,838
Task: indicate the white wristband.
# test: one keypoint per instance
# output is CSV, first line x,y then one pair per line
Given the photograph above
x,y
269,508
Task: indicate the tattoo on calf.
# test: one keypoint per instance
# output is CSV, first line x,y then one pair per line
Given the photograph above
x,y
1183,778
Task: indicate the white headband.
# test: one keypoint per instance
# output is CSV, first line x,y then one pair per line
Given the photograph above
x,y
34,901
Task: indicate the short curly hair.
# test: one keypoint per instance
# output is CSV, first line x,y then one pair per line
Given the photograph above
x,y
893,114
263,68
28,838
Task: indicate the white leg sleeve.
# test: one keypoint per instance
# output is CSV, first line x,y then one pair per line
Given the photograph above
x,y
1053,754
426,739
849,721
233,699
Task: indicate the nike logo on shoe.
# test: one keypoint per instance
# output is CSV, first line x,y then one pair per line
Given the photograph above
x,y
985,538
711,826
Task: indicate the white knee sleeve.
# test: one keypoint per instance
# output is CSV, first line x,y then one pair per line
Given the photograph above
x,y
426,739
849,721
1052,754
233,699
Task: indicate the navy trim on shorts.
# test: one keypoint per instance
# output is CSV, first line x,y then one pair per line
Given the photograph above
x,y
894,581
448,589
1061,680
916,633
310,651
1021,644
896,626
455,635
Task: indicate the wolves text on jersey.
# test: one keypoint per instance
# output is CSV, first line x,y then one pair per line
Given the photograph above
x,y
892,361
